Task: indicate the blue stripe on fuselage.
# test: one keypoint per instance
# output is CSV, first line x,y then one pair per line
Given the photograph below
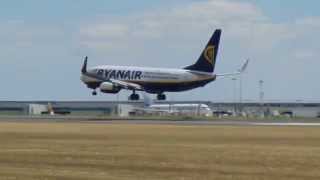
x,y
159,87
154,87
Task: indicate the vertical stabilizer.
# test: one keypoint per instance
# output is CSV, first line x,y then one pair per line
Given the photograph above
x,y
207,59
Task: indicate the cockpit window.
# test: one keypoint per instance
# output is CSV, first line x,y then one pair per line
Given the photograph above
x,y
100,72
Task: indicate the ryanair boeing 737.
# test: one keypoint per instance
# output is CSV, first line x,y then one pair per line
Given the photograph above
x,y
111,79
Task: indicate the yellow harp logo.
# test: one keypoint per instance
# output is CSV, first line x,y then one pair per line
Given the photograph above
x,y
209,54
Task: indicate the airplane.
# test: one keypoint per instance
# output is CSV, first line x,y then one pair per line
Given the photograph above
x,y
149,106
50,110
112,79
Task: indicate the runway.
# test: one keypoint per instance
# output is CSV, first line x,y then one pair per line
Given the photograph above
x,y
206,123
216,123
146,121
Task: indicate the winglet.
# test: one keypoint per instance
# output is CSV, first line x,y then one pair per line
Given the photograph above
x,y
238,72
244,66
84,67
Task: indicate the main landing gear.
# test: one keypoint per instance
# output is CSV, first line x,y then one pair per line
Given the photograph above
x,y
94,93
161,96
134,96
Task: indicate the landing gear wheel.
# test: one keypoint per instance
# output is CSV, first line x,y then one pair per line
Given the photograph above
x,y
134,97
161,97
94,93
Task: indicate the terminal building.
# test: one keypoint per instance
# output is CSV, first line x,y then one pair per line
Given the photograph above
x,y
125,108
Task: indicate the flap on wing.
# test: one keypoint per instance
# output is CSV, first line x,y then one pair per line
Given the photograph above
x,y
127,85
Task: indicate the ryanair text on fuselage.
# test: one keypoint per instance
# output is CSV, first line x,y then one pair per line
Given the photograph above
x,y
120,74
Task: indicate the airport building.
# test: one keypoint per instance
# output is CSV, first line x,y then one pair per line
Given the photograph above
x,y
126,108
290,109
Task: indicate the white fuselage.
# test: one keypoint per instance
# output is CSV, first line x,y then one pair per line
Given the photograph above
x,y
152,79
191,109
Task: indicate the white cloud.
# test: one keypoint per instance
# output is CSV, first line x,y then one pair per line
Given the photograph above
x,y
26,35
186,21
309,22
106,31
241,22
305,54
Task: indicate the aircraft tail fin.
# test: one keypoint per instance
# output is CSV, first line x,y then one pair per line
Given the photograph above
x,y
50,109
207,59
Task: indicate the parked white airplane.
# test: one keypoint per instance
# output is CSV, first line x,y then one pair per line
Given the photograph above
x,y
111,79
174,108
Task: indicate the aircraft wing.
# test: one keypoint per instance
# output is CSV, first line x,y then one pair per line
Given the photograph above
x,y
240,71
127,85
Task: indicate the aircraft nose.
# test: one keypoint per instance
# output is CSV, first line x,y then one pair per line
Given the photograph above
x,y
87,79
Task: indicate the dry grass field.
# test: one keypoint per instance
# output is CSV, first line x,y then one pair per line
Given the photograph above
x,y
157,152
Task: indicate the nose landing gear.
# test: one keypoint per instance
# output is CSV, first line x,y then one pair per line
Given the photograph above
x,y
94,93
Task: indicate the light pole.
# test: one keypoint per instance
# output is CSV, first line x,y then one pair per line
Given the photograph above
x,y
241,71
118,106
261,95
234,94
240,94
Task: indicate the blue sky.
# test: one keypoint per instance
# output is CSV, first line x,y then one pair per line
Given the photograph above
x,y
43,43
47,10
288,9
44,10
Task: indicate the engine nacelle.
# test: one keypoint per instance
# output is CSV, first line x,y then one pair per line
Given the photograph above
x,y
108,87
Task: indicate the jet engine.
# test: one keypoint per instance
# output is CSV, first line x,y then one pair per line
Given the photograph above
x,y
108,87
